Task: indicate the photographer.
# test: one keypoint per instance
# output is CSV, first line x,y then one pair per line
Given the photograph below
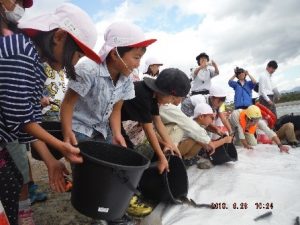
x,y
242,88
203,74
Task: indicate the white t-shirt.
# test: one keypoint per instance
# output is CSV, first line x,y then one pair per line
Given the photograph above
x,y
202,81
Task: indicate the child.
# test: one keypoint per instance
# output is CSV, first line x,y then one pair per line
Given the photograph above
x,y
151,68
94,100
242,88
190,134
60,38
215,99
246,122
169,84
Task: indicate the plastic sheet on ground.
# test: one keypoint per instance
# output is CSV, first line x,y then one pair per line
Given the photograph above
x,y
262,176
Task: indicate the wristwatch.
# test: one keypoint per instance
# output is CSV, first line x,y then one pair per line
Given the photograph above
x,y
279,145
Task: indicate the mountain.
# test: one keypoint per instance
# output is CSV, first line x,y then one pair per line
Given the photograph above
x,y
295,89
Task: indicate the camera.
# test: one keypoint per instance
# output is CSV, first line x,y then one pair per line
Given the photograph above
x,y
238,71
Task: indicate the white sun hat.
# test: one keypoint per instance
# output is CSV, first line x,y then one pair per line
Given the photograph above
x,y
123,34
151,61
71,19
202,109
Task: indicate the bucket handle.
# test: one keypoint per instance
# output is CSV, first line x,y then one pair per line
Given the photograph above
x,y
125,180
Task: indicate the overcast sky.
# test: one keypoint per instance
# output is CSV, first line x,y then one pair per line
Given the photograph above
x,y
233,33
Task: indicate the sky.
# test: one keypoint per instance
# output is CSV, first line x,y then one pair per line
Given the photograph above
x,y
233,33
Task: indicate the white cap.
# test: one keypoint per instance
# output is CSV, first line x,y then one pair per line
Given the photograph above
x,y
151,61
122,34
217,91
202,109
71,19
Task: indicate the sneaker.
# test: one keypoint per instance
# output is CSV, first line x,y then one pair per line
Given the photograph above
x,y
25,217
190,162
294,144
36,196
204,164
137,208
125,220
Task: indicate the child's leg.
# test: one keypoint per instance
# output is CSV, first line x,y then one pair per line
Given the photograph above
x,y
11,181
286,131
189,148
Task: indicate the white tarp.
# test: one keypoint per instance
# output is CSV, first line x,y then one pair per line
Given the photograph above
x,y
263,175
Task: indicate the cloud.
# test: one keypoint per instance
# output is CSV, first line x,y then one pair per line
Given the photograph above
x,y
233,33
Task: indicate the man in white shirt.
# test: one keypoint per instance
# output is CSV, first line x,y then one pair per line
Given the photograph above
x,y
267,92
202,75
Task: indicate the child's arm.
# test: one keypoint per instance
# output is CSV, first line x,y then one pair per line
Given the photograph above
x,y
115,124
70,152
225,122
66,114
151,136
56,168
162,131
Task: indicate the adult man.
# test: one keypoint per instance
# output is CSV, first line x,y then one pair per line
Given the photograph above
x,y
267,92
245,123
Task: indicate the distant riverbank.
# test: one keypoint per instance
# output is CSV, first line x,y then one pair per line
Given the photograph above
x,y
288,108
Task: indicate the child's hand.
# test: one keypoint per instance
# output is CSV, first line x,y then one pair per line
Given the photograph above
x,y
71,153
248,146
173,149
56,172
45,101
119,140
284,148
70,137
163,165
228,139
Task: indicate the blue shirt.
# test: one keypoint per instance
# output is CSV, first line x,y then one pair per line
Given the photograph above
x,y
22,79
242,93
98,94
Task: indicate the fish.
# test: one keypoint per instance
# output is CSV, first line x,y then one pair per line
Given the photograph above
x,y
267,214
191,202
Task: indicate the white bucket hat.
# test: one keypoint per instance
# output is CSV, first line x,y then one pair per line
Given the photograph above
x,y
71,19
122,34
202,109
151,61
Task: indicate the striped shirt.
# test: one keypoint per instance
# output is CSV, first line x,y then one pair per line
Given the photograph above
x,y
21,84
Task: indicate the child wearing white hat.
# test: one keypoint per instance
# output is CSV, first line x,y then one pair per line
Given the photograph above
x,y
151,68
204,117
60,39
93,101
216,98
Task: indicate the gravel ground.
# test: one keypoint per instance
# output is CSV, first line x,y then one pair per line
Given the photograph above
x,y
57,210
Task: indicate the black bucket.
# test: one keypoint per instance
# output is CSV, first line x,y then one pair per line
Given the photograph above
x,y
166,187
105,182
224,153
54,128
